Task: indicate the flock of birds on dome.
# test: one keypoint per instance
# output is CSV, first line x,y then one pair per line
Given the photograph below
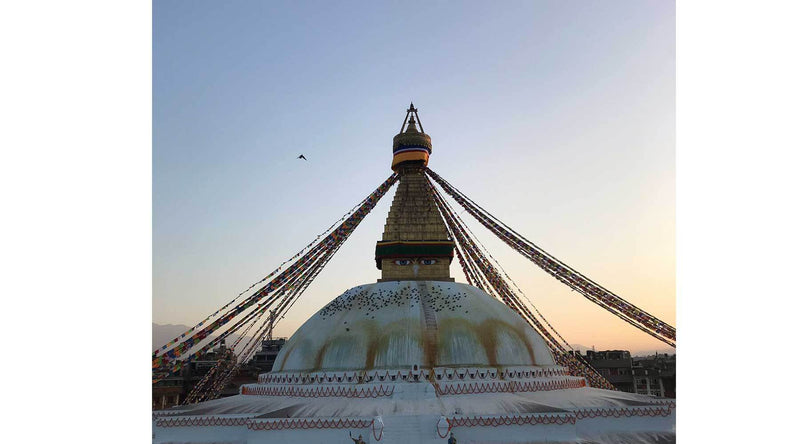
x,y
371,302
266,302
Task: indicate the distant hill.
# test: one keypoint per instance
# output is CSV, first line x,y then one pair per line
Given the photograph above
x,y
165,333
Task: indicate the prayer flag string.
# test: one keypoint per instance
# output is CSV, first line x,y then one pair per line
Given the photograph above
x,y
475,259
200,324
591,290
319,254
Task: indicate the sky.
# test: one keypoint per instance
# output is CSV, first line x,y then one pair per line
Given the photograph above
x,y
558,117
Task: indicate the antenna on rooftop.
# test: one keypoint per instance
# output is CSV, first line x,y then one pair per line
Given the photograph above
x,y
271,324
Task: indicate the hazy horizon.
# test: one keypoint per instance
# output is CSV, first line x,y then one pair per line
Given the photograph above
x,y
163,333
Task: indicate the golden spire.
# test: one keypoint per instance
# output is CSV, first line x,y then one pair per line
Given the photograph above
x,y
415,243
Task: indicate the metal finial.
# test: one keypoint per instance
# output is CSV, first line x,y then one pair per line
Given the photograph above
x,y
411,111
412,125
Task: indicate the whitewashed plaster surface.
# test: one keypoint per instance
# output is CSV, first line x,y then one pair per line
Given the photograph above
x,y
383,325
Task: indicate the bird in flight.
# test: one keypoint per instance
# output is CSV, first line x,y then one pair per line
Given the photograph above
x,y
302,157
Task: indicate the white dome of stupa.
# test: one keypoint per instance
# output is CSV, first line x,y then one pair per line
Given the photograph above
x,y
384,326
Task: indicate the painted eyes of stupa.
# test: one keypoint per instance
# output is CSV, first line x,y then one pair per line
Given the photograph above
x,y
403,262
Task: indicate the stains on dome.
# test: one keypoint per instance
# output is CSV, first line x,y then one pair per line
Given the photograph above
x,y
459,344
397,341
510,346
399,324
351,348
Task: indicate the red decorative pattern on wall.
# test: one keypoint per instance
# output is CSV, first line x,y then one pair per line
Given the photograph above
x,y
624,412
498,421
664,410
282,424
279,424
510,387
208,421
320,392
352,377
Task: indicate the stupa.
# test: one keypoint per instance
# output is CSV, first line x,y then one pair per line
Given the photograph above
x,y
418,358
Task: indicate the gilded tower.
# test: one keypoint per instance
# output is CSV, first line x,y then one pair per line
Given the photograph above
x,y
415,243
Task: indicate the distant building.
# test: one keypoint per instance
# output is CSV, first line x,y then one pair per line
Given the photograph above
x,y
264,358
615,365
196,370
651,375
174,389
655,375
168,392
648,381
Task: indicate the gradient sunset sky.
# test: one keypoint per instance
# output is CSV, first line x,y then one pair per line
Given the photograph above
x,y
558,117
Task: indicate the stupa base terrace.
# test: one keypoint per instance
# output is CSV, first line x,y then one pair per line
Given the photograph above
x,y
476,405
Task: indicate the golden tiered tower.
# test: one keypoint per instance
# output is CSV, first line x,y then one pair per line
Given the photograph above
x,y
415,243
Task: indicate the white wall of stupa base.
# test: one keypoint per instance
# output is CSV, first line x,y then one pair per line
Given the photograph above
x,y
567,427
483,409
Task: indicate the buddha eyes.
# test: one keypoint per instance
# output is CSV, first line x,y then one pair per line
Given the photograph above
x,y
409,261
